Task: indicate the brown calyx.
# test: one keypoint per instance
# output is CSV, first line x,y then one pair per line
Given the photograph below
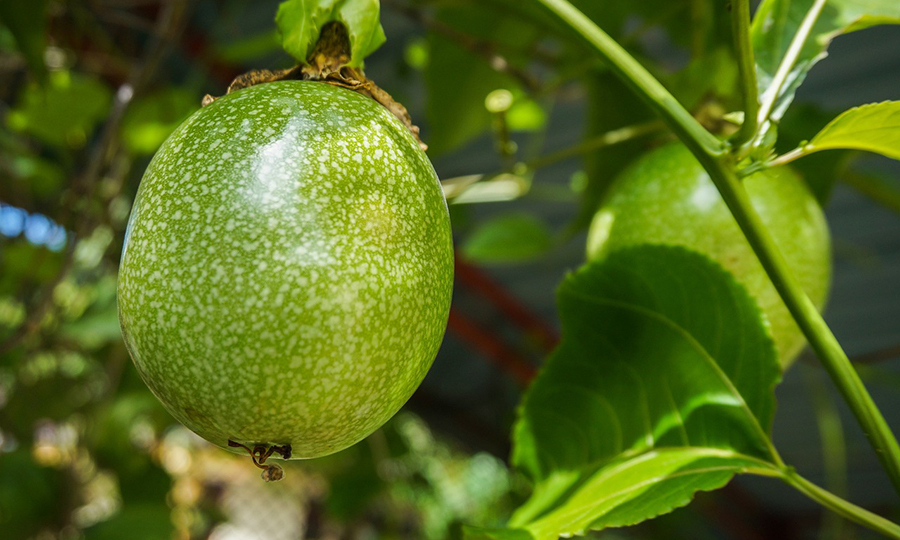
x,y
260,453
327,63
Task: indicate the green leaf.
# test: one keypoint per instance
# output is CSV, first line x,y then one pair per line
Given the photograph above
x,y
874,128
662,386
509,238
635,489
151,118
65,112
777,21
27,21
300,22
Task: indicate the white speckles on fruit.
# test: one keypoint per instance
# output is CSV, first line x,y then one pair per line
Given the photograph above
x,y
287,271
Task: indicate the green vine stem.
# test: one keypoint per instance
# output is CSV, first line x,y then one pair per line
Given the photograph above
x,y
841,507
712,155
743,49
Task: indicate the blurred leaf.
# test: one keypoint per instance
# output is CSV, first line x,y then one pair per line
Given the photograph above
x,y
31,496
24,262
151,118
42,178
353,488
65,112
300,22
458,80
712,75
119,438
662,386
249,48
96,327
478,533
874,128
137,522
611,105
506,239
777,21
27,21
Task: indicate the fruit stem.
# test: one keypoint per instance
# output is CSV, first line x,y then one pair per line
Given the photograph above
x,y
743,49
713,157
260,453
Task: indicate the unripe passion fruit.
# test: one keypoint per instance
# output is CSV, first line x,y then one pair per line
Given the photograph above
x,y
287,270
666,197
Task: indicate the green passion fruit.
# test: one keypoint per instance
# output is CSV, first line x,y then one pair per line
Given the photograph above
x,y
666,197
287,270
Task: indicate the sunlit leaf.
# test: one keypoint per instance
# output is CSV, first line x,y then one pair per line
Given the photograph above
x,y
300,22
874,128
777,21
662,386
509,238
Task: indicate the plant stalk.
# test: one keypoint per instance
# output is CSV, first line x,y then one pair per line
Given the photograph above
x,y
743,49
710,152
838,505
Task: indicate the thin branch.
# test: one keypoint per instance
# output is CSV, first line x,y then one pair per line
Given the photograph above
x,y
610,138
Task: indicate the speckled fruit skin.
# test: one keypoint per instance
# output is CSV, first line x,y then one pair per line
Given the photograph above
x,y
287,269
667,198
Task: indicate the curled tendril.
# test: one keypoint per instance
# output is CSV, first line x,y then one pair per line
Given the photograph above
x,y
260,453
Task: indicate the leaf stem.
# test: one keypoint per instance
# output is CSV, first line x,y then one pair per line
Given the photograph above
x,y
709,152
840,506
770,96
676,117
603,140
